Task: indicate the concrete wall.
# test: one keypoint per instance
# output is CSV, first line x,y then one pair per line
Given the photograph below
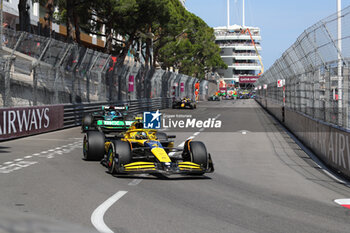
x,y
330,143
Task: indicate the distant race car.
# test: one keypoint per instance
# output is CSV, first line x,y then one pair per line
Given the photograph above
x,y
111,119
147,151
184,103
214,98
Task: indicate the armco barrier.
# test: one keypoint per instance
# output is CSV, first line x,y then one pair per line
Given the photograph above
x,y
25,121
330,143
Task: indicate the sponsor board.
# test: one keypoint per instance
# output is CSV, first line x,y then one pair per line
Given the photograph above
x,y
248,79
24,121
281,82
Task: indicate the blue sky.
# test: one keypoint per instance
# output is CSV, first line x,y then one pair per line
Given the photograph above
x,y
280,21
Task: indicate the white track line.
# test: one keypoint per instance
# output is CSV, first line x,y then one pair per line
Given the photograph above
x,y
97,215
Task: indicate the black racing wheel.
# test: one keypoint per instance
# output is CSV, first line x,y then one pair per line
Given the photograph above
x,y
119,154
94,146
196,152
87,122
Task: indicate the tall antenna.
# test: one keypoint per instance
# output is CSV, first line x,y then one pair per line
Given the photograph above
x,y
228,14
243,15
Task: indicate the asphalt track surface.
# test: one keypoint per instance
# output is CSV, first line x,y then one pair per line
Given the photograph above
x,y
263,182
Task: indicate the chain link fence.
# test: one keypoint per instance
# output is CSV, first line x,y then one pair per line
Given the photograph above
x,y
310,70
36,70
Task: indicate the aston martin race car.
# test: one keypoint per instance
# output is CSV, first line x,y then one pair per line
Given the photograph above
x,y
112,119
184,103
147,151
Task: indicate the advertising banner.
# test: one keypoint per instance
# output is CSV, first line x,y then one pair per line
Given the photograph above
x,y
182,87
24,121
248,79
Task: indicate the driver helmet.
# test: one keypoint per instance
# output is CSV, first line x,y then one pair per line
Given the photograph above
x,y
142,135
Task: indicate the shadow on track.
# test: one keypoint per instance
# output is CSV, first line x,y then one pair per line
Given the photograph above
x,y
3,149
158,176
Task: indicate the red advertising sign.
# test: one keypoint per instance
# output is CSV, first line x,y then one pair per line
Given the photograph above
x,y
248,79
24,121
131,83
222,89
182,87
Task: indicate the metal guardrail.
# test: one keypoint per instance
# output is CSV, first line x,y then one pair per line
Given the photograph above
x,y
73,113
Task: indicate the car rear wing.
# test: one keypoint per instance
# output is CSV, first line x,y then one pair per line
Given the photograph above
x,y
120,107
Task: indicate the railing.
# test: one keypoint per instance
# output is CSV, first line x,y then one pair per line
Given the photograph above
x,y
54,117
44,71
73,113
309,67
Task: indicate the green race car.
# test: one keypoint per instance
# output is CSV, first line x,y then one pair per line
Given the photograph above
x,y
112,119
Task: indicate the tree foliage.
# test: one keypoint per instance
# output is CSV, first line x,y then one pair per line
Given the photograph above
x,y
178,38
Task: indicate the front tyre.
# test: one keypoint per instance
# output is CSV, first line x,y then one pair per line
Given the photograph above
x,y
196,152
119,154
93,146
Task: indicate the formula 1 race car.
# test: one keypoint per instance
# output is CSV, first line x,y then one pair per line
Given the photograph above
x,y
148,151
184,103
214,98
112,119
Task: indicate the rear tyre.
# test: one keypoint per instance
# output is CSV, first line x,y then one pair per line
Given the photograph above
x,y
93,146
87,122
119,154
196,152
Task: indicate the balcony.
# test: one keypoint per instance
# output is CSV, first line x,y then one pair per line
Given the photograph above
x,y
245,66
236,36
242,56
239,46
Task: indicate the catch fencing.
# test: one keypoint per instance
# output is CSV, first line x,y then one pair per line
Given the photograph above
x,y
313,86
36,70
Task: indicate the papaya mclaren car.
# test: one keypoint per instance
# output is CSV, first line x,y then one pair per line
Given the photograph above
x,y
148,151
184,103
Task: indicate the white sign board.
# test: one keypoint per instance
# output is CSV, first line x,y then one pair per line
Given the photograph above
x,y
281,82
265,86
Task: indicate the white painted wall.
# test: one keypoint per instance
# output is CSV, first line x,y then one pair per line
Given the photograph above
x,y
11,7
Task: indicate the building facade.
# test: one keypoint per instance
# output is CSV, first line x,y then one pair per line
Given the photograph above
x,y
37,14
240,51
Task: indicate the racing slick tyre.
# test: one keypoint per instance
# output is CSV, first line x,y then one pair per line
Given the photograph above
x,y
94,146
196,152
119,154
87,122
